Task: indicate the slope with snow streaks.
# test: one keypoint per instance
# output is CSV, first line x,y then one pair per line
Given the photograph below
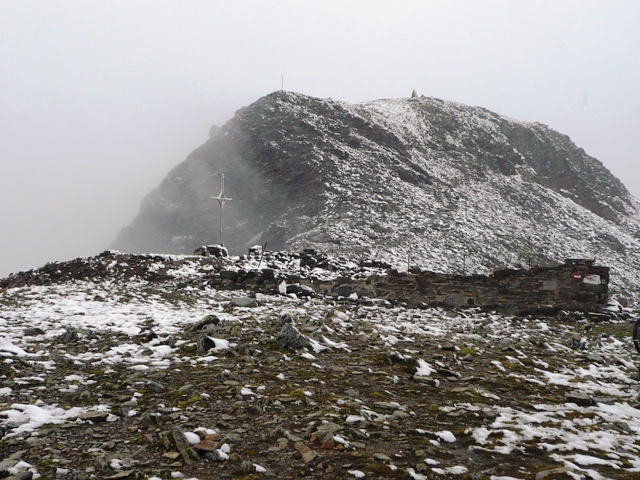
x,y
451,186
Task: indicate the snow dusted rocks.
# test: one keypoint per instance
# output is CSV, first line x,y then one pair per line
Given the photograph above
x,y
375,391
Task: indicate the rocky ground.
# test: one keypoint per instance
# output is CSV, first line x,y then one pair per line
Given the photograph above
x,y
140,380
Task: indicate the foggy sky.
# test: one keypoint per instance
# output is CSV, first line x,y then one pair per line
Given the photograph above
x,y
99,100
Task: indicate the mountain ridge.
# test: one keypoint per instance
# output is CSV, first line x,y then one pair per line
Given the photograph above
x,y
450,185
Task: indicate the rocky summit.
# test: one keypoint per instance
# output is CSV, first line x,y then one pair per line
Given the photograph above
x,y
150,367
446,186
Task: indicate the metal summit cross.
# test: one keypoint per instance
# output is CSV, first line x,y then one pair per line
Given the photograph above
x,y
221,199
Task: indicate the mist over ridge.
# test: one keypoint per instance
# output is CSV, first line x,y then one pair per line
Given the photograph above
x,y
444,185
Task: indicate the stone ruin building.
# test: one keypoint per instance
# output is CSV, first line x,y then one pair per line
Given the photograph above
x,y
578,284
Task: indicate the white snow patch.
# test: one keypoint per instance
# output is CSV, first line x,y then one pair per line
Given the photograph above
x,y
355,418
446,435
28,418
220,344
424,369
7,348
192,438
415,475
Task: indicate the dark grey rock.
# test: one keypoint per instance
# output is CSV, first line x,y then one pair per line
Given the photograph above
x,y
155,386
69,335
594,357
328,427
290,338
205,344
580,399
148,419
189,455
148,336
216,456
233,438
205,324
21,476
33,332
301,290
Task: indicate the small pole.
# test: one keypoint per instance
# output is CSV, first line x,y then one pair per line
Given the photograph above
x,y
264,249
464,264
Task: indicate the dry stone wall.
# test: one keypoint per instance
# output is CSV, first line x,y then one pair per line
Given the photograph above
x,y
577,285
570,286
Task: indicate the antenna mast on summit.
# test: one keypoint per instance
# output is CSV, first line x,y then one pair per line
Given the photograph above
x,y
221,199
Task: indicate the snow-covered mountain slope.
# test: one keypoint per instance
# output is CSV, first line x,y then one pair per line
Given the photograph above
x,y
439,184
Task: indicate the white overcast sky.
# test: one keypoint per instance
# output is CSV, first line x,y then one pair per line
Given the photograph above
x,y
100,99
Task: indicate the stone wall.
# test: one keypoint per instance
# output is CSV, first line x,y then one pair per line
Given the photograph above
x,y
571,286
577,285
